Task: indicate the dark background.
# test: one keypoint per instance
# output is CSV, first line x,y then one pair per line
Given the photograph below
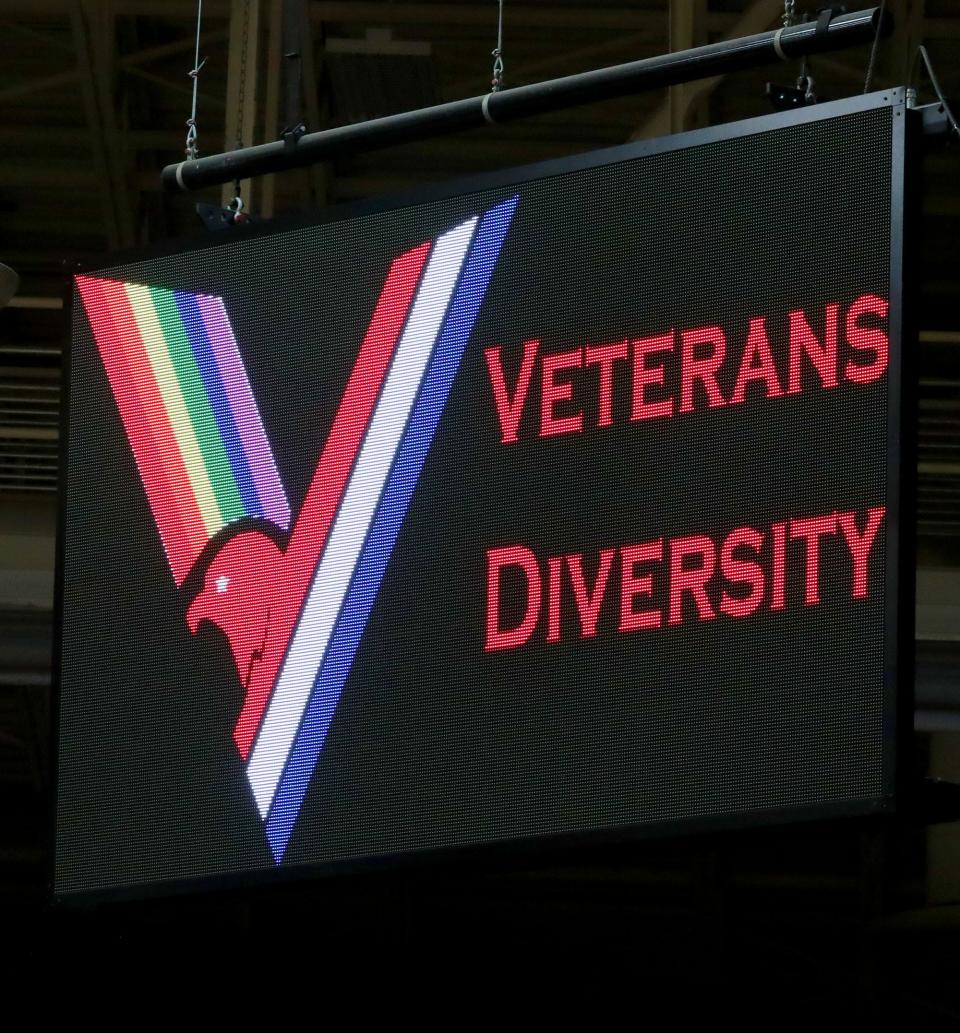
x,y
434,742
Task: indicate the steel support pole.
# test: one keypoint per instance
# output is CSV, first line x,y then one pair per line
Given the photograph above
x,y
845,30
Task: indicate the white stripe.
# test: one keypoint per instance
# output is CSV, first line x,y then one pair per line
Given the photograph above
x,y
342,553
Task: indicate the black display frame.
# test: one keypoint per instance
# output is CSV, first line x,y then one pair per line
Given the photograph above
x,y
898,690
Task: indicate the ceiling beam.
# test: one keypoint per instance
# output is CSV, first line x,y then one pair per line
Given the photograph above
x,y
180,46
129,63
271,123
617,19
25,31
687,29
896,52
625,18
92,32
759,16
319,174
485,15
45,82
242,68
169,85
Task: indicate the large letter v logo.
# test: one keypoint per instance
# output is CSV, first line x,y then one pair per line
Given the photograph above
x,y
294,617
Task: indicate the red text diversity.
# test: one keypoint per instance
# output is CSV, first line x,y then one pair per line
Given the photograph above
x,y
644,586
668,581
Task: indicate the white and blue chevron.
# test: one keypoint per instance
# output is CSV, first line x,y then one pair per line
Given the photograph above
x,y
348,575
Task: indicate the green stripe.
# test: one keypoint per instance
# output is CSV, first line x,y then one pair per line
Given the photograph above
x,y
215,456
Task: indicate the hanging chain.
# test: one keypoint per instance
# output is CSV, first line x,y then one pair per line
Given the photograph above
x,y
804,79
242,84
496,83
241,94
191,150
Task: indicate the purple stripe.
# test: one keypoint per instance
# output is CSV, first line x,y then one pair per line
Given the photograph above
x,y
256,448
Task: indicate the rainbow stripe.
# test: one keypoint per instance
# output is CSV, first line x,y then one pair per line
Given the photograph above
x,y
205,462
186,405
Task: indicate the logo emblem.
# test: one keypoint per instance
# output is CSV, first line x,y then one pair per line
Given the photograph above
x,y
292,613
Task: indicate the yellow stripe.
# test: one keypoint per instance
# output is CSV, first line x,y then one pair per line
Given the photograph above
x,y
179,416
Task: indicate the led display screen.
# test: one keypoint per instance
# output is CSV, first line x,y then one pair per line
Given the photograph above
x,y
558,502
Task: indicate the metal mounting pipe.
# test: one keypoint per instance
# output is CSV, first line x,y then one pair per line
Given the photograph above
x,y
845,30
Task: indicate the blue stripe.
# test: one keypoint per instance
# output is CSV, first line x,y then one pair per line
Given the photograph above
x,y
385,527
219,401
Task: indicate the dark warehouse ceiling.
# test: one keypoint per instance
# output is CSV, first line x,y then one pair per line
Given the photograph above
x,y
94,97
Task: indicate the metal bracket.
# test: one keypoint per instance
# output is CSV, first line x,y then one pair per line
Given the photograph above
x,y
935,123
786,98
290,136
216,218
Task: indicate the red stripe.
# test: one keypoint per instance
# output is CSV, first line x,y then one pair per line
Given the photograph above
x,y
312,525
145,420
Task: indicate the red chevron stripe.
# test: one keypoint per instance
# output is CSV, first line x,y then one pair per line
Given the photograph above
x,y
145,420
309,533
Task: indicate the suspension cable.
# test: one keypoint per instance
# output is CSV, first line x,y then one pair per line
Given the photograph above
x,y
191,150
496,83
872,63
